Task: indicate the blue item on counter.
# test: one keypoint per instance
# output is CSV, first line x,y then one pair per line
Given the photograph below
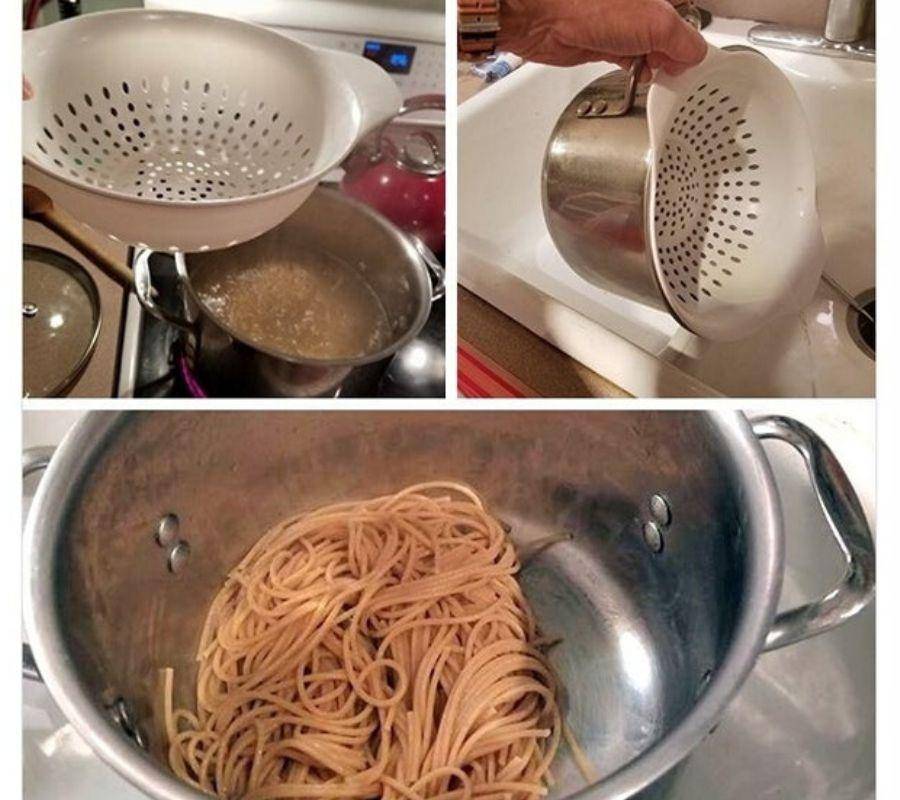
x,y
498,66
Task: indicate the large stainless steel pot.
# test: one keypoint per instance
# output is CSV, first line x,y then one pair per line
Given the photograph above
x,y
664,596
397,269
595,177
595,181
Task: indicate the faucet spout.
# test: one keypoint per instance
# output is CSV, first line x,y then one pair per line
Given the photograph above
x,y
847,34
846,20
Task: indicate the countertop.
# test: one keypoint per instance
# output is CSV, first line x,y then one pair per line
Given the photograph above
x,y
542,369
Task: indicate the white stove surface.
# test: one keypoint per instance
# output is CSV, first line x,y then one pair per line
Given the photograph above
x,y
786,735
408,19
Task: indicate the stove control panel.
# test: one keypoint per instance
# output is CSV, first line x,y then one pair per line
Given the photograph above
x,y
417,67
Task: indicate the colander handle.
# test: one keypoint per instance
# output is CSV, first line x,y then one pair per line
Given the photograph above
x,y
376,92
34,459
848,524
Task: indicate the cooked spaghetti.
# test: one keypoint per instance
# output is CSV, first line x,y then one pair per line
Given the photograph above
x,y
374,649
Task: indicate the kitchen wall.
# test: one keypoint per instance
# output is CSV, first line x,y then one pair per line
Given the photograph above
x,y
806,13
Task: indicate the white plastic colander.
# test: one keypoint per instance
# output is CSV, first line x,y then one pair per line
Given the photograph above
x,y
735,236
182,131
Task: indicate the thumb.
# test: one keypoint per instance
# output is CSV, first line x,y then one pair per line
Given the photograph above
x,y
666,64
678,39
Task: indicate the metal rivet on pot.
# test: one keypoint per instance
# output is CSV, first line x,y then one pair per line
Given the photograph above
x,y
29,309
167,530
584,108
139,739
119,710
178,556
122,716
653,537
704,683
660,509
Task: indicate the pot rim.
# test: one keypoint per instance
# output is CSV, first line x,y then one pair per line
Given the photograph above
x,y
763,576
404,243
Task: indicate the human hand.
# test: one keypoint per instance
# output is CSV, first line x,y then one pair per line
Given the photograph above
x,y
568,32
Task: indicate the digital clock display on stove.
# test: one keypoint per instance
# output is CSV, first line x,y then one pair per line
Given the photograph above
x,y
397,58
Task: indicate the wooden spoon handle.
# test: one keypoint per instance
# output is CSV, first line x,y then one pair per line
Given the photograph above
x,y
66,228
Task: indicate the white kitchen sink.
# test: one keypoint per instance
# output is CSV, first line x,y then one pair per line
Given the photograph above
x,y
506,255
803,725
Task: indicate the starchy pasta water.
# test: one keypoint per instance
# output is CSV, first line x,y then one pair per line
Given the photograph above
x,y
317,306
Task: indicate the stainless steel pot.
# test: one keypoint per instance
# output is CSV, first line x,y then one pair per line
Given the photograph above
x,y
664,597
595,177
595,180
397,269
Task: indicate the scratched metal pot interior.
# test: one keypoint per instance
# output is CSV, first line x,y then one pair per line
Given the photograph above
x,y
670,521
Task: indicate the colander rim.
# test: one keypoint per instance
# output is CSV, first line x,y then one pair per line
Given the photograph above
x,y
690,321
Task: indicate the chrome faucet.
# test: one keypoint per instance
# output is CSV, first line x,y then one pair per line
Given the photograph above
x,y
847,33
846,20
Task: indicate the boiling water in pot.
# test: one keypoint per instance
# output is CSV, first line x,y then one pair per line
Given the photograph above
x,y
314,306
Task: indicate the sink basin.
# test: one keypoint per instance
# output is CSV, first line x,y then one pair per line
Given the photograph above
x,y
506,255
803,725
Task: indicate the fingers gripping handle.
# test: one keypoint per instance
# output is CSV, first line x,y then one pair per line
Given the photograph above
x,y
622,107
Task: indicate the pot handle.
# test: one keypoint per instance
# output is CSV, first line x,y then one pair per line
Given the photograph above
x,y
34,459
848,524
604,109
438,274
143,288
691,14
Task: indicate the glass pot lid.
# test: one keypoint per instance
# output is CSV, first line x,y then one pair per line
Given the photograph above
x,y
60,321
